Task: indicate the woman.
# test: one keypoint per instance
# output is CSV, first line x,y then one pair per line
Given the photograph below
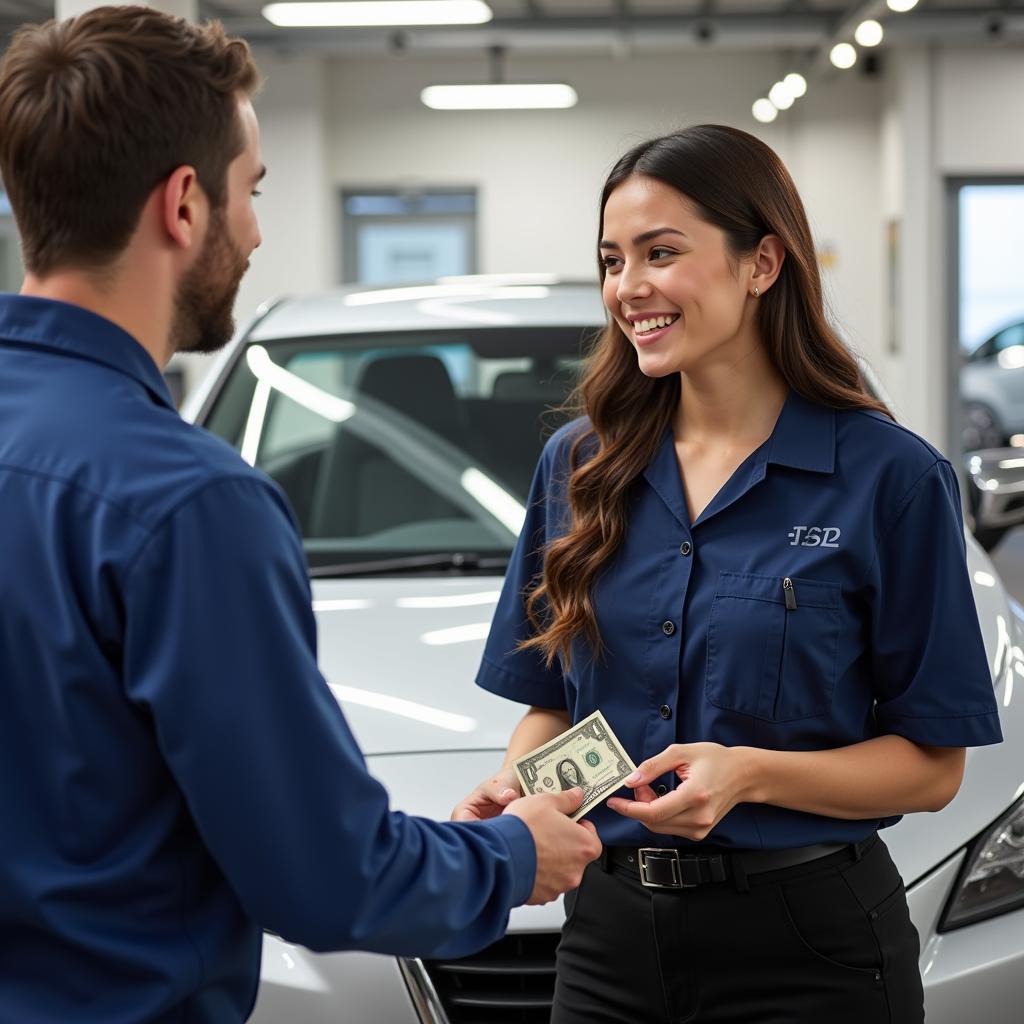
x,y
759,578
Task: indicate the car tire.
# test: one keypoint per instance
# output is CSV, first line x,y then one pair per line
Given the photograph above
x,y
980,428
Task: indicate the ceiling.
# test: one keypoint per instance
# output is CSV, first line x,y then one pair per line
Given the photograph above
x,y
807,27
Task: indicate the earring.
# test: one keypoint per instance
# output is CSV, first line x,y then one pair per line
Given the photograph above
x,y
757,291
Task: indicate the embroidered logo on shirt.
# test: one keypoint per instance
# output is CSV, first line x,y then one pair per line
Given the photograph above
x,y
815,536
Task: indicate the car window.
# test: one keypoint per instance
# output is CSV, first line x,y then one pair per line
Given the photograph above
x,y
394,445
1009,337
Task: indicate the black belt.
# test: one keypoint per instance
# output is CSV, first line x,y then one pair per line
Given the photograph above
x,y
677,869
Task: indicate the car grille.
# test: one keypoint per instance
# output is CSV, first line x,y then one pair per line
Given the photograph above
x,y
510,982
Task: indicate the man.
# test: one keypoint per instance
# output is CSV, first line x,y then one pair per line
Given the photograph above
x,y
174,773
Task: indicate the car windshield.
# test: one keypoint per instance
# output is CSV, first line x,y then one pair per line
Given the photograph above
x,y
402,452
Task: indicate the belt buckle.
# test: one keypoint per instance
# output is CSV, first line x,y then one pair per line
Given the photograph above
x,y
677,877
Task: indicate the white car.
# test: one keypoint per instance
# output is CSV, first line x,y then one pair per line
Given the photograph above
x,y
992,389
404,424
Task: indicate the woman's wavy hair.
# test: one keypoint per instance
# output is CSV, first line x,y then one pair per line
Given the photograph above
x,y
740,185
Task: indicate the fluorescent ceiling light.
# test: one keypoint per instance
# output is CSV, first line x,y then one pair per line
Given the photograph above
x,y
500,96
365,13
764,110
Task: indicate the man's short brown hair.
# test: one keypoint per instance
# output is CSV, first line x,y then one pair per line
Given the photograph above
x,y
97,110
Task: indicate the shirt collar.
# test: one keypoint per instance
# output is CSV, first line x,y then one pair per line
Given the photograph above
x,y
804,436
71,330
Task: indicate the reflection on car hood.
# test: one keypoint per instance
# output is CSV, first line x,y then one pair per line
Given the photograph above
x,y
401,656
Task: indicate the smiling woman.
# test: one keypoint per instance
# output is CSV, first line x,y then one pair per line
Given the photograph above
x,y
758,577
685,241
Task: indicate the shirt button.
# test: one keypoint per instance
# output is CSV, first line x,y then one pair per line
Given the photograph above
x,y
666,712
661,789
685,548
668,627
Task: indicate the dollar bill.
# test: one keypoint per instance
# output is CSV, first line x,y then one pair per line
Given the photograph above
x,y
588,755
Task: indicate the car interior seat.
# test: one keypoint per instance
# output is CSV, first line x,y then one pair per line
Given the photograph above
x,y
363,489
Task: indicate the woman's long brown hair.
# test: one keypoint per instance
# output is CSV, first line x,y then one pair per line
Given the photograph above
x,y
742,187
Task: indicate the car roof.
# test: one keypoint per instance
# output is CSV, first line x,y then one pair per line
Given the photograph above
x,y
511,300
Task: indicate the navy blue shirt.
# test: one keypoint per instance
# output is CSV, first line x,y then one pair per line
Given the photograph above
x,y
704,640
174,772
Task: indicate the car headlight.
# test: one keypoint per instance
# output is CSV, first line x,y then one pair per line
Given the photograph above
x,y
992,879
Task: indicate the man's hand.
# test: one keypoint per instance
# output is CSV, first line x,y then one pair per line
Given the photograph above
x,y
490,798
564,848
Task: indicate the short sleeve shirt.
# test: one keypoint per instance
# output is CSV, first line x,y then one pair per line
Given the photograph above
x,y
822,598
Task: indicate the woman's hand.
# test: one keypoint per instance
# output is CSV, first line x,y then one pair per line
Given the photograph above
x,y
714,779
490,798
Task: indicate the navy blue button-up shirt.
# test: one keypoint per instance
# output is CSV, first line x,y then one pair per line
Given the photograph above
x,y
822,598
174,772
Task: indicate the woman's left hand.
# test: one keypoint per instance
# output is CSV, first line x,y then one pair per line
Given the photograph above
x,y
714,779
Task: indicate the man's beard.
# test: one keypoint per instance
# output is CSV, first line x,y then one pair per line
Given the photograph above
x,y
203,318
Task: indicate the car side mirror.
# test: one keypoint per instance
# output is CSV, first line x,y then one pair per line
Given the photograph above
x,y
995,492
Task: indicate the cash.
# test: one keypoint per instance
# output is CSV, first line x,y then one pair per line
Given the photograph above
x,y
588,755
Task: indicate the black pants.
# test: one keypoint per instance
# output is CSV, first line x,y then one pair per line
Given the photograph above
x,y
828,942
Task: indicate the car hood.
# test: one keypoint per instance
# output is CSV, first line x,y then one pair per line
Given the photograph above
x,y
401,656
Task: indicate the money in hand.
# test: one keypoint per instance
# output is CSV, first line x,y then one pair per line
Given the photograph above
x,y
588,755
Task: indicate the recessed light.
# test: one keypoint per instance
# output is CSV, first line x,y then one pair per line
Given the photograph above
x,y
796,84
780,96
843,56
869,33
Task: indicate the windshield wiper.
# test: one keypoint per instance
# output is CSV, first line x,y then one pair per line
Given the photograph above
x,y
454,562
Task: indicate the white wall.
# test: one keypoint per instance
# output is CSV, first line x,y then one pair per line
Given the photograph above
x,y
295,212
326,125
539,174
979,118
864,151
948,112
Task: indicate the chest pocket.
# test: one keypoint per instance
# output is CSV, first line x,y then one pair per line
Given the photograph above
x,y
772,646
